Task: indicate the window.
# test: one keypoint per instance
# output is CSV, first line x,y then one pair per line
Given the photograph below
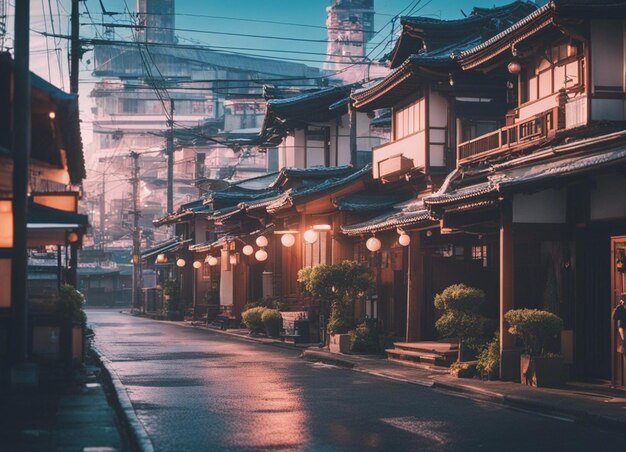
x,y
479,253
409,120
130,106
316,253
472,128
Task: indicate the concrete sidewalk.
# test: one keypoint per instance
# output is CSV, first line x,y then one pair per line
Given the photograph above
x,y
593,404
67,416
588,403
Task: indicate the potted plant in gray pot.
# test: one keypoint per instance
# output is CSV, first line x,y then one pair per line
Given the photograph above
x,y
539,332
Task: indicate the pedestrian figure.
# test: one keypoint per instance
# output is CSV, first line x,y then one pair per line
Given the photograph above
x,y
619,316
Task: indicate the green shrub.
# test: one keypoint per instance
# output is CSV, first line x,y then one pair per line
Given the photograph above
x,y
273,321
269,302
172,303
71,304
539,331
253,319
364,339
489,359
338,286
461,306
463,370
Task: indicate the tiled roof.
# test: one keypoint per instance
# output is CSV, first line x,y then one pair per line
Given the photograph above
x,y
298,194
549,165
404,215
360,202
168,246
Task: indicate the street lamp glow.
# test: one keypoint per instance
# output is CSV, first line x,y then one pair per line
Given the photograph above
x,y
288,240
373,244
261,241
310,236
261,255
248,250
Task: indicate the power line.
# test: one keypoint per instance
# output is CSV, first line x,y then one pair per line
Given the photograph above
x,y
226,33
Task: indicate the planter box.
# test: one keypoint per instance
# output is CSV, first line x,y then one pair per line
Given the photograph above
x,y
541,372
339,343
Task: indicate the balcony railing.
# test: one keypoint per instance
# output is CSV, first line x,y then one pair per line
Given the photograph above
x,y
533,129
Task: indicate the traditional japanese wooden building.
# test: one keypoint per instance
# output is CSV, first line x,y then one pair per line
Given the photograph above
x,y
545,183
433,105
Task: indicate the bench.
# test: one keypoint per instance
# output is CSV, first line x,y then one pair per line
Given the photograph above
x,y
223,322
288,331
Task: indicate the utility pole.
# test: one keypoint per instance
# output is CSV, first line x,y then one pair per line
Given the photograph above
x,y
353,147
170,159
102,211
75,48
21,373
136,294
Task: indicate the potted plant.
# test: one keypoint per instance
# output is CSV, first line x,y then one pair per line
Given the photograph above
x,y
460,318
172,302
272,321
539,332
338,286
253,319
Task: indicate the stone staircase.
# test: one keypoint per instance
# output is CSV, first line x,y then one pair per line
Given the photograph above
x,y
438,353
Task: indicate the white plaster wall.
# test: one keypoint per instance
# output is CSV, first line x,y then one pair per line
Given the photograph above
x,y
547,206
608,197
226,281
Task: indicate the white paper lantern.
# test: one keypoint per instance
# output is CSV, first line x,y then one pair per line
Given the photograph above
x,y
248,250
261,255
261,241
180,262
197,264
310,236
404,239
212,261
288,240
373,244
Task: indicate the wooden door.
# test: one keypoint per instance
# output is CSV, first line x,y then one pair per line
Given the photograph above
x,y
618,283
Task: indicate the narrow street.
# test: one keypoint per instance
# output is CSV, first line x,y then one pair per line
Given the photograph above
x,y
199,390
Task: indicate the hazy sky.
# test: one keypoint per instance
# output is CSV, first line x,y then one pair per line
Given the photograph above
x,y
49,56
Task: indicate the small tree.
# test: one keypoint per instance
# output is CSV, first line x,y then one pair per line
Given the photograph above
x,y
339,285
539,331
461,306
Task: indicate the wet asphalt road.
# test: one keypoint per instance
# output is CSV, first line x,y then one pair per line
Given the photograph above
x,y
197,390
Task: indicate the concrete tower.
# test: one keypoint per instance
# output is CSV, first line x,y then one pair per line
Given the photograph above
x,y
158,18
350,25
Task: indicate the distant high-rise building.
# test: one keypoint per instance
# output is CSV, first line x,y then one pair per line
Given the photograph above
x,y
157,19
350,25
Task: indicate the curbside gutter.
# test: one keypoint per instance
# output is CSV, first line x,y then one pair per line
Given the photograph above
x,y
140,441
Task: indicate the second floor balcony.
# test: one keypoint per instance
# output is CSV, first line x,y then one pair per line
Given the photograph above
x,y
526,132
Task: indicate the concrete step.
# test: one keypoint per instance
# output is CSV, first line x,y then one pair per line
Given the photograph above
x,y
421,357
429,346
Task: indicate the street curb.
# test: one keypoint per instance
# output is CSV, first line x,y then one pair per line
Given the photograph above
x,y
577,416
136,432
312,355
